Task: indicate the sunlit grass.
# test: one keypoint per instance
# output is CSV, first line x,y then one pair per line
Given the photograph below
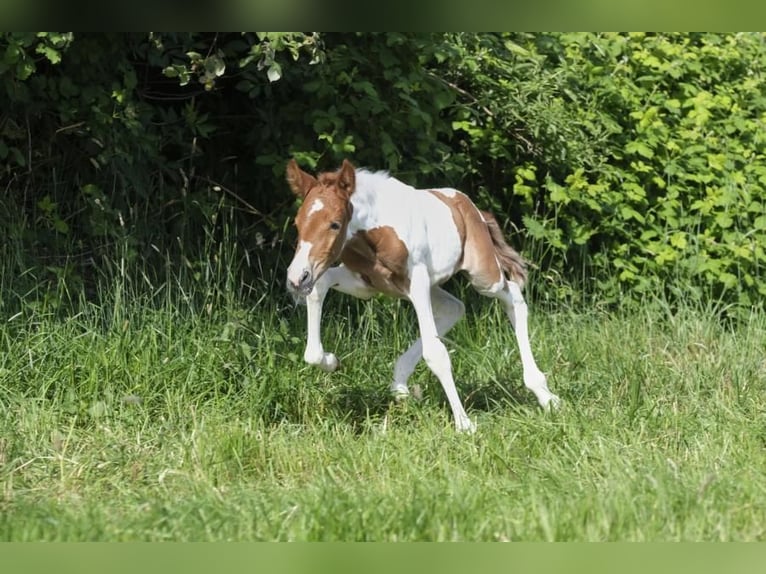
x,y
162,417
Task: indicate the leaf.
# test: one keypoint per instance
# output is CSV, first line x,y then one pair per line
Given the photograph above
x,y
25,70
729,280
523,190
365,87
533,227
53,55
678,239
724,220
627,275
527,173
274,72
61,226
215,65
46,205
716,161
640,148
628,212
673,105
582,235
559,193
648,234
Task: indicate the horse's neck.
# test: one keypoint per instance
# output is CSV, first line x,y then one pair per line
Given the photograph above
x,y
378,200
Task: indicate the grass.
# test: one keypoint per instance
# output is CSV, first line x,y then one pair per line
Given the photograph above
x,y
163,412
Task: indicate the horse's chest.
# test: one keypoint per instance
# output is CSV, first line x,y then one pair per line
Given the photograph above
x,y
380,257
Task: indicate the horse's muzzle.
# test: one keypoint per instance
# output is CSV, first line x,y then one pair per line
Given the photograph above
x,y
304,285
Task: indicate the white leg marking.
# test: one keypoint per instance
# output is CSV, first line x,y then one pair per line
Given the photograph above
x,y
343,280
447,311
434,351
534,379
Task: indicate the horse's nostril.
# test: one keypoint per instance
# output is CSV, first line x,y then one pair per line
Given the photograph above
x,y
304,277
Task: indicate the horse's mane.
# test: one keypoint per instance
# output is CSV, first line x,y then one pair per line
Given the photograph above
x,y
376,180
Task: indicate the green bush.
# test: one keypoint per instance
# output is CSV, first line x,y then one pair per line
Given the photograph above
x,y
633,162
679,203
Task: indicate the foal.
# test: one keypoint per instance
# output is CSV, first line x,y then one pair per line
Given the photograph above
x,y
392,238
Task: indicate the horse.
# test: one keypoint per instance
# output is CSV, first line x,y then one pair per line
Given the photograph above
x,y
388,237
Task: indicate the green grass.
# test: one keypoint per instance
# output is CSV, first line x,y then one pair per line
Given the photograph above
x,y
167,413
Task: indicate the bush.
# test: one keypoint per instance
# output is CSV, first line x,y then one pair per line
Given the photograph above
x,y
678,204
635,162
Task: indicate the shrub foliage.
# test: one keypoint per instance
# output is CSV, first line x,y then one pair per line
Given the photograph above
x,y
633,162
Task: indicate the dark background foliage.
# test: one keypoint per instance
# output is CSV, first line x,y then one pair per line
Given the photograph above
x,y
633,163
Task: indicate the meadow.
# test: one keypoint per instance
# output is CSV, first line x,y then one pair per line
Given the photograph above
x,y
181,410
152,385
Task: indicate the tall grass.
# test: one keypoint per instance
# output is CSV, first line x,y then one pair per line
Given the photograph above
x,y
175,406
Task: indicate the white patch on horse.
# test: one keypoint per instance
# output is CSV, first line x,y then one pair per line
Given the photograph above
x,y
447,191
316,206
433,241
300,262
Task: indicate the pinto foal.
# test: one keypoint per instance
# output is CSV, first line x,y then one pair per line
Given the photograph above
x,y
392,238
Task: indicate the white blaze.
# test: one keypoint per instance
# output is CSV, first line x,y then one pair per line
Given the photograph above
x,y
316,206
300,262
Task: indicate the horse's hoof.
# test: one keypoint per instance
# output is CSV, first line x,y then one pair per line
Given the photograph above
x,y
465,425
329,363
399,391
554,404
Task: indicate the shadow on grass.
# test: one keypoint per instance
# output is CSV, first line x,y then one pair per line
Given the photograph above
x,y
357,405
492,395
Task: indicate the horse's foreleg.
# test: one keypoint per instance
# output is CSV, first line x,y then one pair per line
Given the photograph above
x,y
341,279
314,353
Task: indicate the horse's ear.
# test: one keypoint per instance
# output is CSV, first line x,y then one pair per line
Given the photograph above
x,y
347,177
299,181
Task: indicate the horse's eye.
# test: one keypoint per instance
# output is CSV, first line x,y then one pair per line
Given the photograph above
x,y
335,226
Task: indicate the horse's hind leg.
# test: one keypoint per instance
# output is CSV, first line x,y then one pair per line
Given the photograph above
x,y
510,294
447,310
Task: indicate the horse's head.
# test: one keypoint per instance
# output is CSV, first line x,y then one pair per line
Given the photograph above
x,y
322,221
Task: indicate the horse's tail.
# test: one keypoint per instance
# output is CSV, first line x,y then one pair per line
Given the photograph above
x,y
510,260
